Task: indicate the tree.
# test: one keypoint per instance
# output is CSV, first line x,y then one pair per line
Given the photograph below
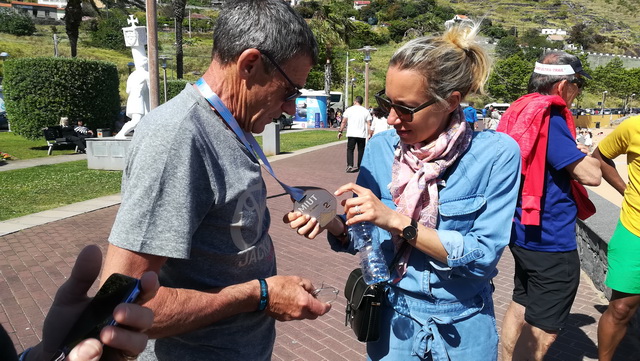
x,y
614,78
582,35
73,17
508,47
509,79
178,13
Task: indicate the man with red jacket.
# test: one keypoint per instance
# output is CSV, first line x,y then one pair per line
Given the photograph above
x,y
543,239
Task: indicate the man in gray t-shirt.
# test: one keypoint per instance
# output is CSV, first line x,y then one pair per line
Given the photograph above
x,y
194,201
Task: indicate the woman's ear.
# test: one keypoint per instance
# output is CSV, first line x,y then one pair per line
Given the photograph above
x,y
454,100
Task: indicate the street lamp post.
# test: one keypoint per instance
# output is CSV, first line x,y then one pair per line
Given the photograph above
x,y
604,95
164,59
367,50
353,82
629,102
346,82
3,56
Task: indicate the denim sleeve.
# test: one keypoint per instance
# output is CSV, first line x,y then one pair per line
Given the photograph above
x,y
476,252
375,174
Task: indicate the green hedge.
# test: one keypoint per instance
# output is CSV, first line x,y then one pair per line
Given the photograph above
x,y
174,87
38,91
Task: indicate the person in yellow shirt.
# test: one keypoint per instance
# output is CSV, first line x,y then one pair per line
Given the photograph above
x,y
623,275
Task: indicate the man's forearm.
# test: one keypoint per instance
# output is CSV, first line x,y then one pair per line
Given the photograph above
x,y
609,172
177,310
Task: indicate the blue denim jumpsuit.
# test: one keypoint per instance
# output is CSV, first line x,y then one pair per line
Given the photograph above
x,y
443,311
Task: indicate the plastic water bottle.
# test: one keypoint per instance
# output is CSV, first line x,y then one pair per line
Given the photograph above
x,y
374,267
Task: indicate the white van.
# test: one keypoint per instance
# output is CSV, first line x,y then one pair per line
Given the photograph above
x,y
500,106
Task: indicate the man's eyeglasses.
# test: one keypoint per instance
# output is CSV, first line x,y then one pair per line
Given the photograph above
x,y
579,81
404,113
295,93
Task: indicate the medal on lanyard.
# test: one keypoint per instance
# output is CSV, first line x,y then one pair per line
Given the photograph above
x,y
313,201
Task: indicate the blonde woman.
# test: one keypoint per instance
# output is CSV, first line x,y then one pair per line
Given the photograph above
x,y
448,192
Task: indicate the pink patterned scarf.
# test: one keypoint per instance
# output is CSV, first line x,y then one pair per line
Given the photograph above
x,y
415,172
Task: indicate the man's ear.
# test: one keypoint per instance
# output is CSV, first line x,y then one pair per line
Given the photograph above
x,y
559,88
249,62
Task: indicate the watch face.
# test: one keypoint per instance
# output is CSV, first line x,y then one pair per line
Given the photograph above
x,y
409,233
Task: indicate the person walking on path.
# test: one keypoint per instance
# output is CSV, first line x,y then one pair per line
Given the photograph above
x,y
623,274
356,119
543,238
470,115
194,205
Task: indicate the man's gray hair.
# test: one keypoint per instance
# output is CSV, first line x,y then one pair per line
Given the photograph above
x,y
270,26
543,84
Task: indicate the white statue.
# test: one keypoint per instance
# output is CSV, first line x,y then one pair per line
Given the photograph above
x,y
138,82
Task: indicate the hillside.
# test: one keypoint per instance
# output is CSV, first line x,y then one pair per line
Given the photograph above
x,y
613,19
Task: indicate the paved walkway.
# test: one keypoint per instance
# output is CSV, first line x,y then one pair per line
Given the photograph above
x,y
36,257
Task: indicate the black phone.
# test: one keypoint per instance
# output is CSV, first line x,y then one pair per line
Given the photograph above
x,y
99,313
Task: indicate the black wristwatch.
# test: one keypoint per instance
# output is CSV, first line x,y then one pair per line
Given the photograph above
x,y
410,232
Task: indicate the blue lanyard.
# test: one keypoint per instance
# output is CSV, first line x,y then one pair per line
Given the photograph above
x,y
245,137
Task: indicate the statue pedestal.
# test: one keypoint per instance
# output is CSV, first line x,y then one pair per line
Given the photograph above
x,y
107,153
271,139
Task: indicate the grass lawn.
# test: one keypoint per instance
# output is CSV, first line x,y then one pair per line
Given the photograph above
x,y
31,190
21,148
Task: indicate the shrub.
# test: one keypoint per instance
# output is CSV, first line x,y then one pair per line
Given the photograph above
x,y
38,91
106,32
174,87
15,23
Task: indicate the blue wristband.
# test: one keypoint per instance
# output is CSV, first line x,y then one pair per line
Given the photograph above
x,y
264,295
23,355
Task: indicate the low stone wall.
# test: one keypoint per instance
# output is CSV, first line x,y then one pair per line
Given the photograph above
x,y
593,237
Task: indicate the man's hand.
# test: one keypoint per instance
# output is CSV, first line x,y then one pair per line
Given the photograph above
x,y
583,148
291,298
339,134
71,299
303,224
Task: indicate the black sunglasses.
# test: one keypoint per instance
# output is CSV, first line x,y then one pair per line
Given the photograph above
x,y
579,81
296,90
403,112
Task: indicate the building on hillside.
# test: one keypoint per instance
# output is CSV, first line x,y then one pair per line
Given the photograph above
x,y
40,11
555,37
573,47
359,4
457,19
58,3
553,32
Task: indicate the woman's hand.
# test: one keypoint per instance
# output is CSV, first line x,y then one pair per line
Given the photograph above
x,y
368,207
303,224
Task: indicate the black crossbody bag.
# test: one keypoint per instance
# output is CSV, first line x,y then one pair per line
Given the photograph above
x,y
364,303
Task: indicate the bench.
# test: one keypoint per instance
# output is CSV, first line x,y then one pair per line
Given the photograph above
x,y
53,136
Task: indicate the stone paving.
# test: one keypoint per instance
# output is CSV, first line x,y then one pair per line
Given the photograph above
x,y
34,262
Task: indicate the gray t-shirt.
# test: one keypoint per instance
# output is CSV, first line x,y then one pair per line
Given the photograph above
x,y
193,193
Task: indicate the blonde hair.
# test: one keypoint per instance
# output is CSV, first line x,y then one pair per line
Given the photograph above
x,y
451,62
64,122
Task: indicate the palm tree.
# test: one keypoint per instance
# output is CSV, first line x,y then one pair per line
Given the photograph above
x,y
73,17
178,12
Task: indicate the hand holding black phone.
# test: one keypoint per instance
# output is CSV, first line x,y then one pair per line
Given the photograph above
x,y
99,313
